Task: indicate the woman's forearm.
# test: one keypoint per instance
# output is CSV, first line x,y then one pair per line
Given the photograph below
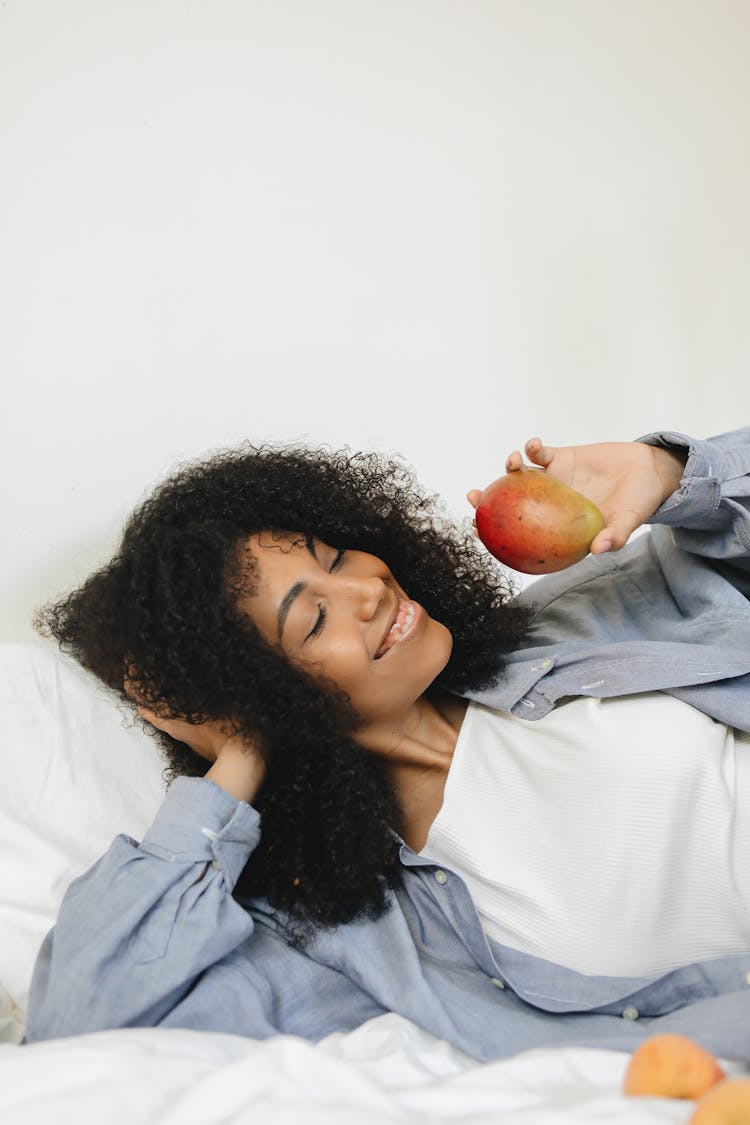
x,y
136,931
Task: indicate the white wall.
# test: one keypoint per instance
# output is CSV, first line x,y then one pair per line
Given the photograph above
x,y
430,226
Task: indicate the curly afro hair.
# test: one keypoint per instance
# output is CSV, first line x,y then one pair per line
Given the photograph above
x,y
166,605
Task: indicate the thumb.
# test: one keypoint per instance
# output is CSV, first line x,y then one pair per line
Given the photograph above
x,y
620,526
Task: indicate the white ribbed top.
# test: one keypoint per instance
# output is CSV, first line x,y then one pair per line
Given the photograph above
x,y
611,836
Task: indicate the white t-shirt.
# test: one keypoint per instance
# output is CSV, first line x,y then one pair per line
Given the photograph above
x,y
612,836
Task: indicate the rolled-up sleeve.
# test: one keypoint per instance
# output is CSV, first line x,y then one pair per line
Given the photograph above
x,y
709,514
137,930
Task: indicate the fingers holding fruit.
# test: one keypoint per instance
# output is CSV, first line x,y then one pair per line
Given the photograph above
x,y
538,453
513,462
595,497
534,523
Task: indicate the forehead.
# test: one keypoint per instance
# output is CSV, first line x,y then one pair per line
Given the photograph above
x,y
265,553
278,543
266,559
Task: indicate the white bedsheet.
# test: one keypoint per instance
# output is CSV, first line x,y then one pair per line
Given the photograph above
x,y
385,1071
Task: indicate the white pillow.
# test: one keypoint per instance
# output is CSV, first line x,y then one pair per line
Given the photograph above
x,y
75,772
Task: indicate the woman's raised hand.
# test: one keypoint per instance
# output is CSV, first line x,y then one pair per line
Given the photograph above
x,y
238,767
205,739
626,480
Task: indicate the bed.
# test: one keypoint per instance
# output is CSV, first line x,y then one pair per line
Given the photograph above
x,y
77,769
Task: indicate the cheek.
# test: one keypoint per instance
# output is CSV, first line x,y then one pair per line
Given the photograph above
x,y
437,648
422,664
344,646
344,660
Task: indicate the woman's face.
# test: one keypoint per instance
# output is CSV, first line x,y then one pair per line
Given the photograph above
x,y
343,613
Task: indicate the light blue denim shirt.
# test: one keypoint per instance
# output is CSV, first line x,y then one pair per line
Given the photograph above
x,y
151,935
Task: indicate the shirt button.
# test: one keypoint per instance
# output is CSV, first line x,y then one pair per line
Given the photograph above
x,y
546,663
497,982
441,877
216,865
747,978
630,1013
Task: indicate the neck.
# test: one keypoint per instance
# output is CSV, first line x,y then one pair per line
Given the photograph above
x,y
419,751
425,735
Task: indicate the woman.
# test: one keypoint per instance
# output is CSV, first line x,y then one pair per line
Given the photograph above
x,y
346,684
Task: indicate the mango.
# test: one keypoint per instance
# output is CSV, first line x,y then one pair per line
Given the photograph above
x,y
671,1066
534,523
726,1104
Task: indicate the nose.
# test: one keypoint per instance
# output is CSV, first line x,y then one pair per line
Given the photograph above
x,y
366,594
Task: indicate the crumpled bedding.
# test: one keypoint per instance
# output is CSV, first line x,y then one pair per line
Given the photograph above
x,y
388,1070
11,1018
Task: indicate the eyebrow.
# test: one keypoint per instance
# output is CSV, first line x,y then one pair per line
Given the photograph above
x,y
294,591
286,605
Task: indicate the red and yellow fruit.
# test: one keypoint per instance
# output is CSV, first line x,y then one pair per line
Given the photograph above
x,y
534,523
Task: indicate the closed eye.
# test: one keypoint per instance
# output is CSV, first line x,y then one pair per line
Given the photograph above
x,y
317,627
322,611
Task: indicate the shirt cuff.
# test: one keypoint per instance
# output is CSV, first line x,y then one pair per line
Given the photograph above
x,y
699,492
199,822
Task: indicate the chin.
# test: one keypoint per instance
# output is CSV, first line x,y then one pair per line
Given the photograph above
x,y
445,633
442,640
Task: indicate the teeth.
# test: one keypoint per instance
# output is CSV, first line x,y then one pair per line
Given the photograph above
x,y
401,625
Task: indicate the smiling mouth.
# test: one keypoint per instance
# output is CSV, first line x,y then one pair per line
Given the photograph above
x,y
400,627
